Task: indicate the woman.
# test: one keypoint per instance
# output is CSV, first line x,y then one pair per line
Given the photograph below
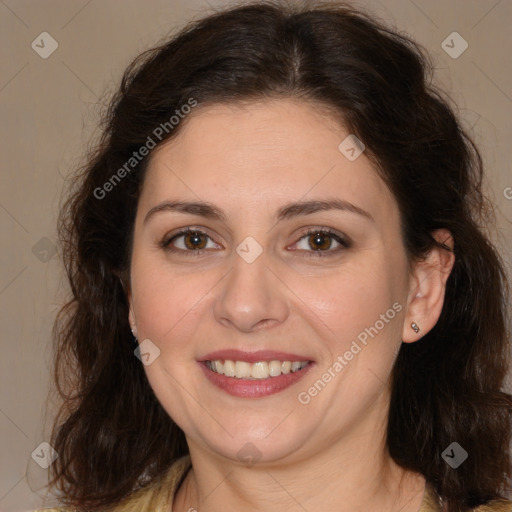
x,y
284,213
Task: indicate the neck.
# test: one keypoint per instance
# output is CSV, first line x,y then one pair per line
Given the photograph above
x,y
355,473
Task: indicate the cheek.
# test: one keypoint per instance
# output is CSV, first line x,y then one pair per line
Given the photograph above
x,y
350,299
168,312
167,301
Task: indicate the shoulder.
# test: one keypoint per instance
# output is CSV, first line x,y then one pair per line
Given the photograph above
x,y
60,509
158,495
155,497
495,506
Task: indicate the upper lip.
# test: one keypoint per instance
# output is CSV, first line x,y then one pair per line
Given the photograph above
x,y
252,357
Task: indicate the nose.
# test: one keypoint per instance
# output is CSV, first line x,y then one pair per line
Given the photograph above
x,y
251,297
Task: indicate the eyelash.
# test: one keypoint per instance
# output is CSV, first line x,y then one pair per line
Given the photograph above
x,y
345,244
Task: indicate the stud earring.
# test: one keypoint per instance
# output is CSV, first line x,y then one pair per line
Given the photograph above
x,y
415,327
133,334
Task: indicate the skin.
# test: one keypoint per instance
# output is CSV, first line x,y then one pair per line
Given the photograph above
x,y
249,161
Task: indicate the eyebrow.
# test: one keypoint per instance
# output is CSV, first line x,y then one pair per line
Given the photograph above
x,y
301,208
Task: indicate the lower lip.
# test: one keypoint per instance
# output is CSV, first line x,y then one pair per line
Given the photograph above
x,y
254,388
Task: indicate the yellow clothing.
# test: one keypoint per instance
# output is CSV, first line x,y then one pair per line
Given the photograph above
x,y
159,495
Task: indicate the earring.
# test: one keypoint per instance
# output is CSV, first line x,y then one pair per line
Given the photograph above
x,y
133,334
415,327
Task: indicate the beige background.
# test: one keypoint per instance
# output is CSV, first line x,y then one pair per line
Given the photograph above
x,y
49,108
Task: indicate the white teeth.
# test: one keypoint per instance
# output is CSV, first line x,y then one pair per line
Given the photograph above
x,y
274,368
295,366
242,369
259,370
229,369
286,366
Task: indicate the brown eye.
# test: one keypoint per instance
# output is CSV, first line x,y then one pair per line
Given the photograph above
x,y
192,241
195,240
320,241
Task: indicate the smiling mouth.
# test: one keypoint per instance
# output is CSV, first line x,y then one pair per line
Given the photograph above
x,y
255,371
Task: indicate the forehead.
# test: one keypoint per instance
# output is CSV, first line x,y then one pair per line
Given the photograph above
x,y
263,153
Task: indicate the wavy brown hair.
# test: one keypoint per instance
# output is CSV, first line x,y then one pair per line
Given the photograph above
x,y
112,434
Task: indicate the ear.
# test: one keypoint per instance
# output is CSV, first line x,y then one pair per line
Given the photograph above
x,y
427,288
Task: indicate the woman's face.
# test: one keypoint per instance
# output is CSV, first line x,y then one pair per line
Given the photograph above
x,y
251,183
